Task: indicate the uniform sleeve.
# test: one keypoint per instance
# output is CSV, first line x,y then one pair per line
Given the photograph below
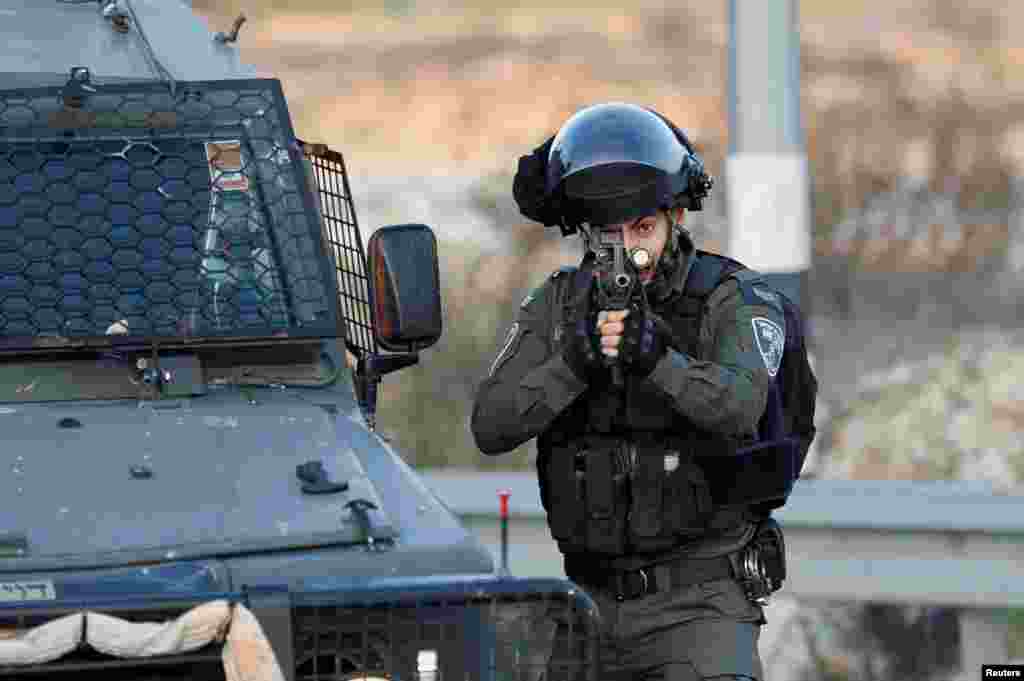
x,y
528,385
743,342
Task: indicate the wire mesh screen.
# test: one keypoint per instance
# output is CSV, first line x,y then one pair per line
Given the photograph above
x,y
127,211
345,245
516,630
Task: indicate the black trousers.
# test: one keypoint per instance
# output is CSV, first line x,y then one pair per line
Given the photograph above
x,y
705,631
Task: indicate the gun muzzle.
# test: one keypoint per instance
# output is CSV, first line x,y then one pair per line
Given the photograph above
x,y
641,257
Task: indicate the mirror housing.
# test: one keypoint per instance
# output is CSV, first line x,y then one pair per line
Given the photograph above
x,y
405,287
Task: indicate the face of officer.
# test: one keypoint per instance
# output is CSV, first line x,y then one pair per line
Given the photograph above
x,y
650,232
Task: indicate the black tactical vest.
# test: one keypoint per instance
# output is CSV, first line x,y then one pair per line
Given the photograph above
x,y
626,476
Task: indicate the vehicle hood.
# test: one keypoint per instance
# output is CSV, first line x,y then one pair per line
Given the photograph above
x,y
116,483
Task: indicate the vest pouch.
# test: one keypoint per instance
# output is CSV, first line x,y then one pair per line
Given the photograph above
x,y
606,491
648,505
671,499
567,497
691,505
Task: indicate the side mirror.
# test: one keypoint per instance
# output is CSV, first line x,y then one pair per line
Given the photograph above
x,y
405,287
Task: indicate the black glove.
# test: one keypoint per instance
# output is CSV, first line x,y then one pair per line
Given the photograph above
x,y
581,347
643,343
529,184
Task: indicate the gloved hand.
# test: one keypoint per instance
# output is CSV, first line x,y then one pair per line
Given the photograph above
x,y
643,343
528,187
581,348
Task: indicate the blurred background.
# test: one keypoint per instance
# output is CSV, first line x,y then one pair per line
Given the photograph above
x,y
913,112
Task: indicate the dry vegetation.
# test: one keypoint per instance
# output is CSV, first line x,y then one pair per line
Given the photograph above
x,y
928,88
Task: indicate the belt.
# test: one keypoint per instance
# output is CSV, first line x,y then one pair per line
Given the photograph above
x,y
678,574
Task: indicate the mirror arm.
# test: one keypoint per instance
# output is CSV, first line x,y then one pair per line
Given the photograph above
x,y
385,364
369,369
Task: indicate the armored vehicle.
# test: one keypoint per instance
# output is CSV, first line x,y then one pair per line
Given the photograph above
x,y
191,341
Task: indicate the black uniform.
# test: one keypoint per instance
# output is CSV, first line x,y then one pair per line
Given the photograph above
x,y
622,474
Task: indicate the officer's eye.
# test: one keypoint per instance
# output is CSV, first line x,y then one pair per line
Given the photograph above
x,y
645,227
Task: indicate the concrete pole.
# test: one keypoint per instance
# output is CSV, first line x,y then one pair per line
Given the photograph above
x,y
766,169
1012,278
766,174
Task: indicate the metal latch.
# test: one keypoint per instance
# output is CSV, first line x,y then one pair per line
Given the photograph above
x,y
232,35
78,88
360,512
315,480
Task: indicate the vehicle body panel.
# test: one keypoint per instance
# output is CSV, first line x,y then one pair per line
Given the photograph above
x,y
142,499
103,477
43,40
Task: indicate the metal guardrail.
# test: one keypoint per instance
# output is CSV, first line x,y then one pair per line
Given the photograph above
x,y
944,543
951,544
894,504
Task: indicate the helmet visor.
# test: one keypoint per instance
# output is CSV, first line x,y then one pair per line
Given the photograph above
x,y
613,162
616,193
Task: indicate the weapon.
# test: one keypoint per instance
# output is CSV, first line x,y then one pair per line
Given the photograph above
x,y
616,281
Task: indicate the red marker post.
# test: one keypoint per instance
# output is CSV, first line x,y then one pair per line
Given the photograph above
x,y
503,495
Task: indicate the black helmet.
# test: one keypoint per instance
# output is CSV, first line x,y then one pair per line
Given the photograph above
x,y
614,162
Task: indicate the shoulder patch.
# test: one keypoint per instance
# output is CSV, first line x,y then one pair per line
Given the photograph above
x,y
770,339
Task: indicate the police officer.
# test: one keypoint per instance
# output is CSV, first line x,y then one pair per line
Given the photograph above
x,y
624,468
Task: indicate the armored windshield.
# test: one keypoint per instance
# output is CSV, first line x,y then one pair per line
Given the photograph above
x,y
129,213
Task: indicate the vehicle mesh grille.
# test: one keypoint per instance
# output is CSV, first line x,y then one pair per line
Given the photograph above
x,y
134,212
345,244
493,634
